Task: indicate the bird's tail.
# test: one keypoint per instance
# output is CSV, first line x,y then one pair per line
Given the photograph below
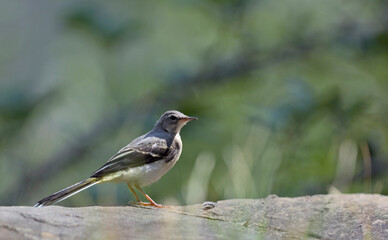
x,y
67,192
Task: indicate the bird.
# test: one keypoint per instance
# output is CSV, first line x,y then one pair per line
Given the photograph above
x,y
142,162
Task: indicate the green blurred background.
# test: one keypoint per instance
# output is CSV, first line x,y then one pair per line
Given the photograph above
x,y
291,96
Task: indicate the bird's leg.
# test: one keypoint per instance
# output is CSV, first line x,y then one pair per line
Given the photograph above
x,y
137,198
134,193
152,203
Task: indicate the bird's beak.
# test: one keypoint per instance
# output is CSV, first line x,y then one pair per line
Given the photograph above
x,y
188,119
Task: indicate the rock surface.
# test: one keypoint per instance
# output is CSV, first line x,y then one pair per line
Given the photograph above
x,y
355,216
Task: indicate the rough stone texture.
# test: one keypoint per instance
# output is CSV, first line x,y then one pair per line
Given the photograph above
x,y
357,216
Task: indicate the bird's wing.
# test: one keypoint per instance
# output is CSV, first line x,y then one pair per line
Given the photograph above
x,y
134,156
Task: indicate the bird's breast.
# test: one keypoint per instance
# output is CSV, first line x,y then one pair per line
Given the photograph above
x,y
175,150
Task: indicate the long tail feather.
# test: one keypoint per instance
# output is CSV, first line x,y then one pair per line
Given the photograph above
x,y
67,192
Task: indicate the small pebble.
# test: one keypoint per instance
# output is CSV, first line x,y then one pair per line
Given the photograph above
x,y
208,205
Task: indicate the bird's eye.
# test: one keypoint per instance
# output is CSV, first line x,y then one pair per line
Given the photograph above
x,y
173,118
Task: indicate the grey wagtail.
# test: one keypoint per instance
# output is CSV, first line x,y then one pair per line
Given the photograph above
x,y
142,162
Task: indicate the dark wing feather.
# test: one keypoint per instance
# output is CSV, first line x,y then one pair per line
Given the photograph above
x,y
130,157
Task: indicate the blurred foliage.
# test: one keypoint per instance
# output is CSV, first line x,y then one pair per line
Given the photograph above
x,y
290,96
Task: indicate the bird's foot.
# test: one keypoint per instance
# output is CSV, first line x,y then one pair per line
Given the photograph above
x,y
146,204
151,204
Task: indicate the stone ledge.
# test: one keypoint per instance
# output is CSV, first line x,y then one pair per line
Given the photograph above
x,y
353,216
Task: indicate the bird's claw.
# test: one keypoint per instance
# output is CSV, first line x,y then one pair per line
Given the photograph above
x,y
146,204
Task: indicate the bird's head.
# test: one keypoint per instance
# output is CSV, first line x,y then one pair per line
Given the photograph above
x,y
172,121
